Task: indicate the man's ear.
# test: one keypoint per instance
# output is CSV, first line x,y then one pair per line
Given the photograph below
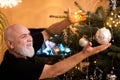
x,y
10,44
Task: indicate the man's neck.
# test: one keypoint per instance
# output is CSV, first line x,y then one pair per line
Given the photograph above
x,y
17,55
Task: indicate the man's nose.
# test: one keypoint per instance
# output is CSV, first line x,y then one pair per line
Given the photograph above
x,y
30,38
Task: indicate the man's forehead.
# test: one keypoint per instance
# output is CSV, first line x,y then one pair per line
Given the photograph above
x,y
18,27
18,30
21,29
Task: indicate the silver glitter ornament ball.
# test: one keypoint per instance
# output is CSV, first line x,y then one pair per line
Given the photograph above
x,y
103,35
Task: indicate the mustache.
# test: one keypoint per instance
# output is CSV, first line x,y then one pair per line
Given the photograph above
x,y
29,43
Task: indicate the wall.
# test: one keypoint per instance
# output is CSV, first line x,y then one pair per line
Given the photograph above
x,y
36,13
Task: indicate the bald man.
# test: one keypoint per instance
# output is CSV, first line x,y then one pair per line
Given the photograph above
x,y
19,64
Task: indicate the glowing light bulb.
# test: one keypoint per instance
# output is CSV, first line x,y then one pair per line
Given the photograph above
x,y
9,3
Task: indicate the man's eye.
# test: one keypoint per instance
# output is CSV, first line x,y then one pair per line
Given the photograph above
x,y
23,36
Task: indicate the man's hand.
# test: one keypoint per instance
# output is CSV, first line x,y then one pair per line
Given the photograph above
x,y
89,50
76,16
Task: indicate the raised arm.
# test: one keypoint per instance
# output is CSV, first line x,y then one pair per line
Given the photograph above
x,y
65,65
57,28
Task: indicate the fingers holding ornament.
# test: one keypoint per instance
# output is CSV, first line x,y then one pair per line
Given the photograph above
x,y
102,36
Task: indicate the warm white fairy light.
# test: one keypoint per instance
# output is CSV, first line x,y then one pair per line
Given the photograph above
x,y
107,23
110,25
9,3
112,13
115,25
113,21
111,18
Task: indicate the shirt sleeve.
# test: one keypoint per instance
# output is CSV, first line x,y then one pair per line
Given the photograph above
x,y
37,38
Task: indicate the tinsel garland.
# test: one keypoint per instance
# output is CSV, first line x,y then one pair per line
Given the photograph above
x,y
3,25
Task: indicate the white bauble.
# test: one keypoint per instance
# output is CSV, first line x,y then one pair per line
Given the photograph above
x,y
103,35
83,42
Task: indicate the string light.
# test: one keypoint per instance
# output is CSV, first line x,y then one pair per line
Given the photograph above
x,y
114,19
9,3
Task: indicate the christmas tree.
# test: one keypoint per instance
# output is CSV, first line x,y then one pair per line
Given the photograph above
x,y
98,25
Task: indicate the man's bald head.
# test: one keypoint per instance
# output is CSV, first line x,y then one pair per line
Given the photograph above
x,y
12,30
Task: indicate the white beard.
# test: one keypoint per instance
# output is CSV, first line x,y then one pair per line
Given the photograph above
x,y
28,52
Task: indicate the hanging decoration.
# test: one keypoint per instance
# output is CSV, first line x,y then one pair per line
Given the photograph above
x,y
9,3
103,36
3,26
113,4
50,48
83,42
111,76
